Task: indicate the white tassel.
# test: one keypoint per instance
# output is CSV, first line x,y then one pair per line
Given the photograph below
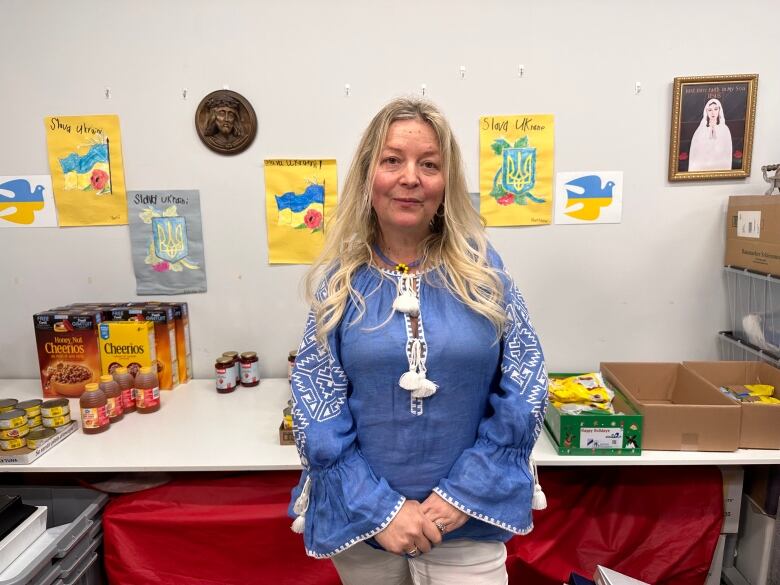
x,y
427,388
539,500
407,303
410,381
298,525
300,507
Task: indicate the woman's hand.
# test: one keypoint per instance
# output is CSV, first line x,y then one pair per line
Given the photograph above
x,y
409,530
442,513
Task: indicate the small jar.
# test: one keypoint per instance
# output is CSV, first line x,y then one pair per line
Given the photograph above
x,y
147,390
31,407
226,379
236,365
12,419
290,363
55,407
7,404
250,369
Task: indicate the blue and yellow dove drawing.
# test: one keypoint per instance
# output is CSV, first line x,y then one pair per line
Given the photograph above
x,y
586,197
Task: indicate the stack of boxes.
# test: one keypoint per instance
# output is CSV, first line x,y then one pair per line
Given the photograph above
x,y
78,343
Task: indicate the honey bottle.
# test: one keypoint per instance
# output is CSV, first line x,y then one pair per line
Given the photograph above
x,y
94,417
126,383
147,390
113,398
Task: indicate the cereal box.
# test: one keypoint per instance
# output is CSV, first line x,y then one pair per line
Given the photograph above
x,y
128,344
68,353
183,352
165,340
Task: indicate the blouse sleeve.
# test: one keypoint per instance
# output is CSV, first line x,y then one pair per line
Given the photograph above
x,y
339,501
493,481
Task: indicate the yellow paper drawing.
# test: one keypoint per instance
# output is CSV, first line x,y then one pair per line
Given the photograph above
x,y
516,169
85,159
300,195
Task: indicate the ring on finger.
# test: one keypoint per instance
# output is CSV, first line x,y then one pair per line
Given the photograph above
x,y
413,553
441,526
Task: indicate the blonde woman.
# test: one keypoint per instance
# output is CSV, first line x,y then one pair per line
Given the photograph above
x,y
419,388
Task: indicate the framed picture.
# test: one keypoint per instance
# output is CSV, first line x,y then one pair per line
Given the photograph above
x,y
712,127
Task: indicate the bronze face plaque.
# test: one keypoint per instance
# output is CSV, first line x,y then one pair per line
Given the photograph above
x,y
226,122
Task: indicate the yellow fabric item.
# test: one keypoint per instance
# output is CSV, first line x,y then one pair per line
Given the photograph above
x,y
587,390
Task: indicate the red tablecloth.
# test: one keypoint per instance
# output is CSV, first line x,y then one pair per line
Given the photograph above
x,y
654,523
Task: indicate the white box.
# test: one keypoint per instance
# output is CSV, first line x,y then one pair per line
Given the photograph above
x,y
22,536
733,477
716,567
754,547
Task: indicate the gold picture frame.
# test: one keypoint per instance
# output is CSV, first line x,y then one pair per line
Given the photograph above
x,y
713,117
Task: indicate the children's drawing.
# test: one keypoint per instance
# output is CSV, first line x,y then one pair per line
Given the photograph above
x,y
85,160
304,210
300,195
515,169
168,247
27,201
589,197
166,241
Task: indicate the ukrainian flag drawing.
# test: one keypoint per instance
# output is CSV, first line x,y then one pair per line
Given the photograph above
x,y
88,171
300,194
303,210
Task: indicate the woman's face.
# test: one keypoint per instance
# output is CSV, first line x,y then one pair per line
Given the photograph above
x,y
713,111
408,180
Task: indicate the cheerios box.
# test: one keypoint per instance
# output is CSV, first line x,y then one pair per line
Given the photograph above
x,y
128,344
68,352
181,317
165,340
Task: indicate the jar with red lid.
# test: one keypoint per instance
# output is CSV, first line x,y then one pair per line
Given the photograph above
x,y
250,369
226,378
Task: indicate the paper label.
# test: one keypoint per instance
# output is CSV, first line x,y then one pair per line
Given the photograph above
x,y
147,397
226,378
249,373
114,406
128,398
601,438
94,418
749,224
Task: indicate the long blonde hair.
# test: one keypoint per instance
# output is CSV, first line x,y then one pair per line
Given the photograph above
x,y
456,247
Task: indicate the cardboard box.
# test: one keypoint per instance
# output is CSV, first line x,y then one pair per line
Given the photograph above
x,y
128,344
165,340
25,455
760,428
286,436
682,412
596,433
753,233
181,318
68,353
733,479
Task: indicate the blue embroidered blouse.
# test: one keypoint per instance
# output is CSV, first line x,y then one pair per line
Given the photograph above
x,y
366,444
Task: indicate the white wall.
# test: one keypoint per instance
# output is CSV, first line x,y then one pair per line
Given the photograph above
x,y
647,289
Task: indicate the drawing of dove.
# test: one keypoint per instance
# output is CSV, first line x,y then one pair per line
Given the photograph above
x,y
586,197
19,202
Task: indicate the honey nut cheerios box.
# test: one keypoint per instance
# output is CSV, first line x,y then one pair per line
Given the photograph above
x,y
68,353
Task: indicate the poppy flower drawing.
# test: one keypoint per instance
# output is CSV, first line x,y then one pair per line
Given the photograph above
x,y
98,179
313,220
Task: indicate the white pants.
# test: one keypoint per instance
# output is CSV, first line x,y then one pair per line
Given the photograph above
x,y
453,562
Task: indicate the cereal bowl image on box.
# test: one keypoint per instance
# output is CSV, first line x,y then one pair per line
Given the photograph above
x,y
68,379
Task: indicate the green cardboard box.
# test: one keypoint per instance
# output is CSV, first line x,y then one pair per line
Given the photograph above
x,y
596,433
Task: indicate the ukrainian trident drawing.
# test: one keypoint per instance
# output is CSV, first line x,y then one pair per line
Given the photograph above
x,y
516,176
169,246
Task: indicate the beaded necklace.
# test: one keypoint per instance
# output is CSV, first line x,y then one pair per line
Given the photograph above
x,y
397,266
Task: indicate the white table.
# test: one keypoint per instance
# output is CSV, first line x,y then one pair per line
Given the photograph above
x,y
197,429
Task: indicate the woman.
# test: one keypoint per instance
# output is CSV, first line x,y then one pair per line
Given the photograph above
x,y
419,388
711,143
